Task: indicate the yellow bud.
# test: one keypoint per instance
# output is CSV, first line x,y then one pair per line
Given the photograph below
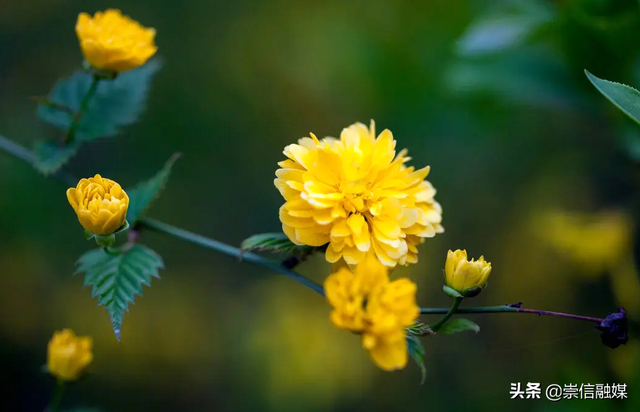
x,y
101,204
68,355
462,274
113,42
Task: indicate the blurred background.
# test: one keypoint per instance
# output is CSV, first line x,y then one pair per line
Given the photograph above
x,y
534,169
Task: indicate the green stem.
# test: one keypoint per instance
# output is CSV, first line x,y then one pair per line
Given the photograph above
x,y
57,396
83,107
450,312
112,251
27,156
229,251
510,309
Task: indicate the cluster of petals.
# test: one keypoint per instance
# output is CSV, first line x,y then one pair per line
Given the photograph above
x,y
68,355
101,204
113,42
367,302
358,196
462,274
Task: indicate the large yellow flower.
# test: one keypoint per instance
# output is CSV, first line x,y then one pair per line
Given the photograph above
x,y
113,42
101,204
68,355
368,303
356,194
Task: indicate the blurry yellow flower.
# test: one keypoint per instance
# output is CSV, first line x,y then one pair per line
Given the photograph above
x,y
101,204
368,303
462,275
596,241
68,354
113,42
356,194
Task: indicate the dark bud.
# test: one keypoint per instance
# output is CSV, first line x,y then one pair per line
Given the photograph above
x,y
291,262
614,329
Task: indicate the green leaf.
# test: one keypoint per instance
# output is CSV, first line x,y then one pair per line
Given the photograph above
x,y
116,103
504,27
458,325
274,242
416,350
529,76
141,196
51,155
624,97
116,279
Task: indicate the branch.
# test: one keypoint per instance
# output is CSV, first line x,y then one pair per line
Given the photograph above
x,y
27,156
512,308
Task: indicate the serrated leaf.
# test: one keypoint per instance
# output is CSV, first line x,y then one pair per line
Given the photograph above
x,y
458,325
52,155
273,242
416,350
115,104
141,196
624,97
116,279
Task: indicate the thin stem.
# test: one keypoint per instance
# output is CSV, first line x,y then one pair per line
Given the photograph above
x,y
454,307
83,107
509,309
112,251
229,251
57,396
559,314
27,156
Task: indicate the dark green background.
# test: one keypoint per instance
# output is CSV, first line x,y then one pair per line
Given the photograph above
x,y
512,129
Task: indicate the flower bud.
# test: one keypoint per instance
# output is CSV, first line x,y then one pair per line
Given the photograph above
x,y
68,355
101,205
114,43
466,277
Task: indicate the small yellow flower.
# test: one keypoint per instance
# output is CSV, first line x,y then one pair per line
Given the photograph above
x,y
68,355
101,204
462,275
368,303
356,194
113,42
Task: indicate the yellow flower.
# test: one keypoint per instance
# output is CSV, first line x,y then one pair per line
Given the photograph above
x,y
597,241
101,204
113,42
356,194
368,303
462,275
68,354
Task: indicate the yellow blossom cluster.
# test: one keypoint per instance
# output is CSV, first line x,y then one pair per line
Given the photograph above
x,y
113,42
358,196
101,204
68,355
368,303
467,277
